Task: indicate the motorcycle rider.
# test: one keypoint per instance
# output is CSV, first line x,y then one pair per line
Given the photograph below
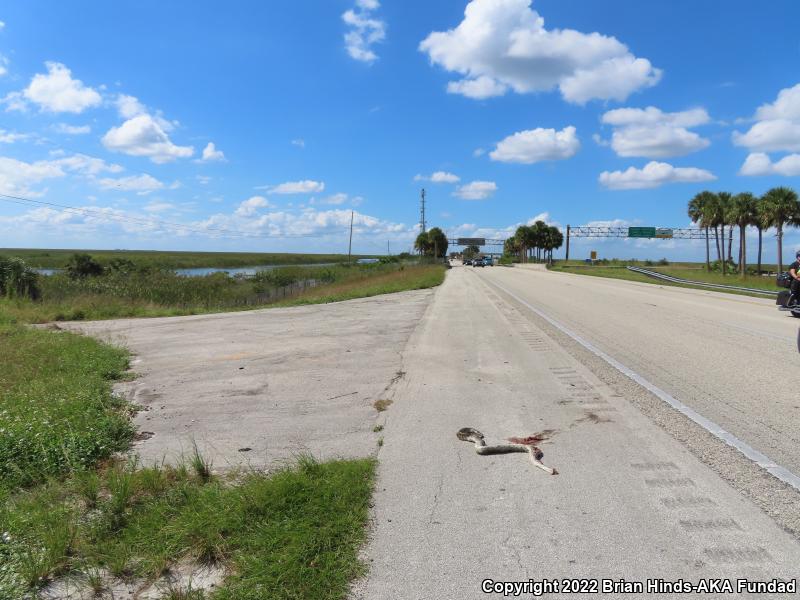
x,y
794,272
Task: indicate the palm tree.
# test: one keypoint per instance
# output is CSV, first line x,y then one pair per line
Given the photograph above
x,y
422,244
538,233
743,214
522,236
761,222
725,201
781,208
698,213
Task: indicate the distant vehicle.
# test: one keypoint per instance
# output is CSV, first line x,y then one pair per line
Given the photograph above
x,y
478,262
467,262
487,261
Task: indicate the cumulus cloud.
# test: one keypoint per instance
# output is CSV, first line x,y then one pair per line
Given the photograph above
x,y
250,206
777,126
144,135
438,177
759,163
87,165
72,129
503,44
57,91
141,184
651,133
3,65
476,190
535,145
211,154
17,177
364,30
307,186
654,174
129,106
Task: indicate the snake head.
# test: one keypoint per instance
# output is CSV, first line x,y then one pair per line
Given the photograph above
x,y
468,434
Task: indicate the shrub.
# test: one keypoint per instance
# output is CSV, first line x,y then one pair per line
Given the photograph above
x,y
18,280
83,265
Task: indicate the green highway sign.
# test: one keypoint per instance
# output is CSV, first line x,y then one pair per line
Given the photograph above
x,y
641,232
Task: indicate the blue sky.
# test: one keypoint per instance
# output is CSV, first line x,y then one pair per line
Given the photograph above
x,y
260,126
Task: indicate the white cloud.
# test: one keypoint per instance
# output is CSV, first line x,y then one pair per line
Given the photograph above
x,y
9,137
478,89
2,25
478,152
476,190
335,199
129,106
535,145
3,65
17,177
57,91
141,184
71,129
299,142
210,153
759,163
250,206
777,126
203,179
503,44
15,101
306,186
654,174
144,135
364,32
651,133
87,165
438,177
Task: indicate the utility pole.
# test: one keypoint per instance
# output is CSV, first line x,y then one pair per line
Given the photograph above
x,y
350,245
567,258
422,226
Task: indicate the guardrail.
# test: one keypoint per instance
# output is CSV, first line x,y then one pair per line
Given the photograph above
x,y
718,286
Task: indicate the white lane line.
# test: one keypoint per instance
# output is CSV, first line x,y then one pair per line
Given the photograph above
x,y
757,457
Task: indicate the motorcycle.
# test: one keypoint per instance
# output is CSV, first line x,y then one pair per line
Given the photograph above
x,y
786,301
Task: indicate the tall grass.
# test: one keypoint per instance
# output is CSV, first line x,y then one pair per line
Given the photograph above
x,y
148,292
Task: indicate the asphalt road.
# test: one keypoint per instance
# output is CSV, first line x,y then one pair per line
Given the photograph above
x,y
642,491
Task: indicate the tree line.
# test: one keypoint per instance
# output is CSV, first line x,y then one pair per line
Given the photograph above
x,y
714,211
535,241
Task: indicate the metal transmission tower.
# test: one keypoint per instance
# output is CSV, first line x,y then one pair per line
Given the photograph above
x,y
422,227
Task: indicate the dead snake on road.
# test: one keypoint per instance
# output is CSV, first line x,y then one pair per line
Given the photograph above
x,y
468,434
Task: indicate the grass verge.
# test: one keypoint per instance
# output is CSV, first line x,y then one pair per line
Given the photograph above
x,y
70,510
683,272
164,294
409,278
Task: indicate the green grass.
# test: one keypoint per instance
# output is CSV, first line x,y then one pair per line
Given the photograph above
x,y
57,259
57,412
293,534
69,509
408,278
691,271
163,293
